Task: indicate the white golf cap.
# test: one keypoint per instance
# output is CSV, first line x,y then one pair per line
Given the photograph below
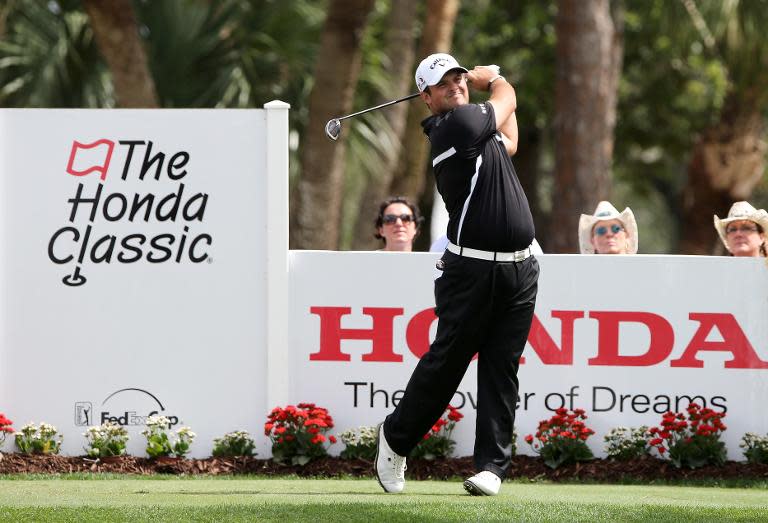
x,y
432,69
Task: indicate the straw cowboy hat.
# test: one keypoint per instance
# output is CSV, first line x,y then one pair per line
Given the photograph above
x,y
606,211
741,211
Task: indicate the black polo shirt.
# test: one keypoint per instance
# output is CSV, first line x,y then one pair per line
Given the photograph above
x,y
487,207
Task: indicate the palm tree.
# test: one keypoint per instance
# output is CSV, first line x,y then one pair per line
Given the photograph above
x,y
117,35
316,200
728,160
386,128
48,58
589,63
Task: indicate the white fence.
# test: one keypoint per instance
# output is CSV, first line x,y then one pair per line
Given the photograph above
x,y
626,338
140,249
144,269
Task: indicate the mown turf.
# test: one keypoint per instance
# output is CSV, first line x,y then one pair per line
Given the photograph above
x,y
219,499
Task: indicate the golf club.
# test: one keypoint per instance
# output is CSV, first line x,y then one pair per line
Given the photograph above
x,y
333,127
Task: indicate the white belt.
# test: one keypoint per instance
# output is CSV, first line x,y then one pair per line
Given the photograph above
x,y
516,256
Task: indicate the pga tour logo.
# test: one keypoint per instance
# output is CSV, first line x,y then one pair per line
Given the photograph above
x,y
101,203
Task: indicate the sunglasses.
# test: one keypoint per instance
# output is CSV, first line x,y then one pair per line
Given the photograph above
x,y
391,219
603,230
742,228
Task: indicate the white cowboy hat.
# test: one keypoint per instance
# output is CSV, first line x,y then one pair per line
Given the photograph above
x,y
606,211
741,211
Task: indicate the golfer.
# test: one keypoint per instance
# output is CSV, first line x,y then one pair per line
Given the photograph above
x,y
487,292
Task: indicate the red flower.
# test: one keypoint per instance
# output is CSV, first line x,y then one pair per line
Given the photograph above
x,y
455,415
529,439
332,439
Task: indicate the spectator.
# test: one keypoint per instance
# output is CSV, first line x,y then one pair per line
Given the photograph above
x,y
608,231
743,231
397,224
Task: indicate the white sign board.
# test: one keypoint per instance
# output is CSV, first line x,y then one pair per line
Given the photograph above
x,y
133,268
626,338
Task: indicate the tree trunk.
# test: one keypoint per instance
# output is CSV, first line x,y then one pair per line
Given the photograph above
x,y
727,163
399,47
410,177
115,29
589,51
316,200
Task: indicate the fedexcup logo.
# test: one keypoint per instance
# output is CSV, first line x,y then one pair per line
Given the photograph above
x,y
126,407
163,222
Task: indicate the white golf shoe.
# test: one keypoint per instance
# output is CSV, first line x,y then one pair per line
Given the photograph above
x,y
484,483
390,467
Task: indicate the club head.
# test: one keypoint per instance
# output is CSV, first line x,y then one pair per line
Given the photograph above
x,y
333,129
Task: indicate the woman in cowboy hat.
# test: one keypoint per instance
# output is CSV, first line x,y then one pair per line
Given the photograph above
x,y
743,231
608,231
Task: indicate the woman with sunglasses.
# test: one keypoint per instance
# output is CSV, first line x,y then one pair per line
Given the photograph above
x,y
397,224
743,231
608,231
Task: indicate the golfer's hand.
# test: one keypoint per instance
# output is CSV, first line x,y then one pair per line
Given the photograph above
x,y
479,77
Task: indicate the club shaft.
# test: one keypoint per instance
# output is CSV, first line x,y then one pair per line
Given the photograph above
x,y
414,95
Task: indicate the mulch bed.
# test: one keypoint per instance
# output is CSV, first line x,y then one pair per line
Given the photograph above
x,y
650,469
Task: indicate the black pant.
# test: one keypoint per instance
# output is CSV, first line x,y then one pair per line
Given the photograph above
x,y
483,307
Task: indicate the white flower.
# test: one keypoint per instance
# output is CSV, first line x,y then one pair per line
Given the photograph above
x,y
186,432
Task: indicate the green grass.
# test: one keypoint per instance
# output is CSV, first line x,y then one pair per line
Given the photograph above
x,y
238,499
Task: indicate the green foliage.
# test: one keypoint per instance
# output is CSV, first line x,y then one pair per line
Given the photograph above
x,y
624,443
234,444
675,81
109,439
755,448
32,439
159,444
48,58
360,443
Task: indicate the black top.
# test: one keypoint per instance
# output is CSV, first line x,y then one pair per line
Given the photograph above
x,y
487,207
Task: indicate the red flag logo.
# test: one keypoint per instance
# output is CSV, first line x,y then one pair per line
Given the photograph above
x,y
86,158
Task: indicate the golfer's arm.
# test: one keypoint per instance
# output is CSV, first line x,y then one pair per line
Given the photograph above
x,y
504,102
509,134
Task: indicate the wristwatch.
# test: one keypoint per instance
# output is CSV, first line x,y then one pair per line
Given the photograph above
x,y
494,79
